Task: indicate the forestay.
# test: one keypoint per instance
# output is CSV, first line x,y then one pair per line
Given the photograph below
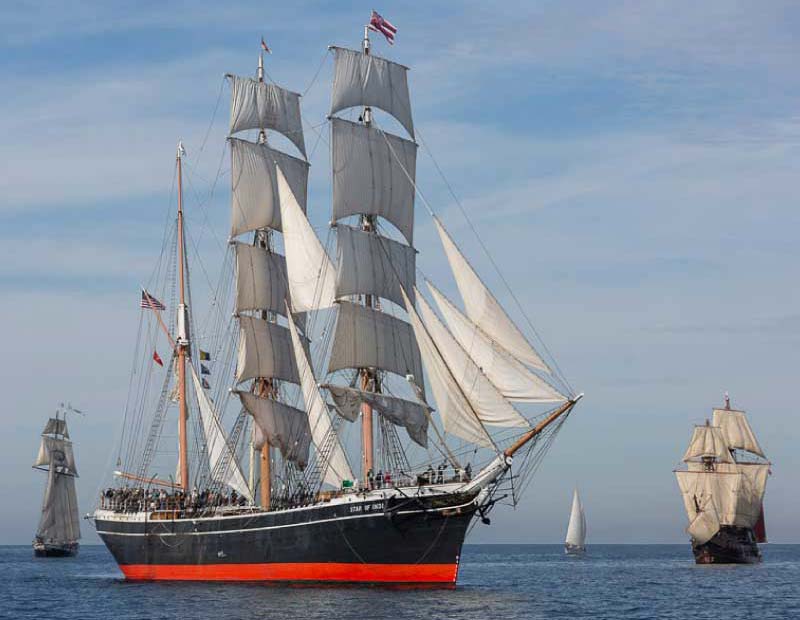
x,y
221,461
455,410
335,468
265,350
373,173
261,105
510,376
366,80
483,309
310,273
255,199
367,338
281,426
708,442
486,401
736,430
260,279
399,411
370,264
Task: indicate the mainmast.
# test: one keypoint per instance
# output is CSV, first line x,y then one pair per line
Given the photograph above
x,y
182,342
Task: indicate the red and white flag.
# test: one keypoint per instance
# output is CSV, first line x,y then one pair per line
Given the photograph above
x,y
378,24
264,46
157,358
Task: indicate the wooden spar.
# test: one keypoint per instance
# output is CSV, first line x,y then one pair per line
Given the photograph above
x,y
156,481
266,477
566,407
183,343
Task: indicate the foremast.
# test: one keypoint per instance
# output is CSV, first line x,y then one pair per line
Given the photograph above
x,y
182,341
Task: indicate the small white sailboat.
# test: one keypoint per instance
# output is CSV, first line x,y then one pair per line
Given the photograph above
x,y
575,543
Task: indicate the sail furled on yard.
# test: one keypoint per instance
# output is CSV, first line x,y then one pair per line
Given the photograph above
x,y
708,442
222,462
456,412
265,350
335,468
371,170
281,426
736,430
484,310
368,338
260,105
486,401
310,273
371,264
366,80
412,416
510,376
261,282
255,198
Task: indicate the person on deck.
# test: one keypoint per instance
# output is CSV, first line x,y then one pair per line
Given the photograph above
x,y
379,479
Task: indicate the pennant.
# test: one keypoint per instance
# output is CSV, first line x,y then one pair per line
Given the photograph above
x,y
157,359
205,355
204,370
264,46
378,24
151,303
205,384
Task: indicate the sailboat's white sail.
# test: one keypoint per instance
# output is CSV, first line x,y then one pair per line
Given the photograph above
x,y
221,461
736,430
576,530
484,310
337,469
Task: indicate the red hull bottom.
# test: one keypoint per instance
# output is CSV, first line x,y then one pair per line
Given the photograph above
x,y
437,575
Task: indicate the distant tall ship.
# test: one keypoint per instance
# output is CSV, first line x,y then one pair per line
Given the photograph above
x,y
59,526
284,477
723,489
575,543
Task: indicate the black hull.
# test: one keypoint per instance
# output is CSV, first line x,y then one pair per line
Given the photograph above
x,y
47,550
731,545
389,541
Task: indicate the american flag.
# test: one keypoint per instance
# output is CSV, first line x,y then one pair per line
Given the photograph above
x,y
151,303
264,46
378,24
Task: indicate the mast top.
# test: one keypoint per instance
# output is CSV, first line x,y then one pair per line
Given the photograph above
x,y
180,151
727,401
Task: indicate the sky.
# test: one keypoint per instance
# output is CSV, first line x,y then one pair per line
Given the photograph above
x,y
630,166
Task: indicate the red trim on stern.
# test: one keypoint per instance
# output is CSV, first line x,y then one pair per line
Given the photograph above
x,y
342,572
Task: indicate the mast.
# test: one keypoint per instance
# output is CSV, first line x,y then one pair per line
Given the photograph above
x,y
369,379
183,340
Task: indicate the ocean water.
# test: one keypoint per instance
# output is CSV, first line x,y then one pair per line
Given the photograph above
x,y
495,582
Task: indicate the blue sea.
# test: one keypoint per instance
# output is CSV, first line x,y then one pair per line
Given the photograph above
x,y
495,582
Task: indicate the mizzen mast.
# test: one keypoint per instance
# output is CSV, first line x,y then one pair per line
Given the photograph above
x,y
182,341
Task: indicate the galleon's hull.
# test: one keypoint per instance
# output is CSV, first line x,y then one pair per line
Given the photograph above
x,y
731,545
55,550
414,541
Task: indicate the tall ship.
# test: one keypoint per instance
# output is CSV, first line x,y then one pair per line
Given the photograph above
x,y
59,525
723,489
331,425
575,542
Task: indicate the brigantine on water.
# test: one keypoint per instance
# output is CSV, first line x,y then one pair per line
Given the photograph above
x,y
270,491
723,489
59,527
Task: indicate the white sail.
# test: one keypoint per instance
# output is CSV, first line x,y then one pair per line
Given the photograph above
x,y
57,451
722,489
265,350
366,80
510,376
255,200
222,462
705,524
408,414
486,401
576,530
484,310
282,426
456,412
311,275
367,338
328,446
750,493
260,279
708,441
373,173
736,430
261,105
371,264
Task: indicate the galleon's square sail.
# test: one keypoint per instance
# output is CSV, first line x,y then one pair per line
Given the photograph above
x,y
337,428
